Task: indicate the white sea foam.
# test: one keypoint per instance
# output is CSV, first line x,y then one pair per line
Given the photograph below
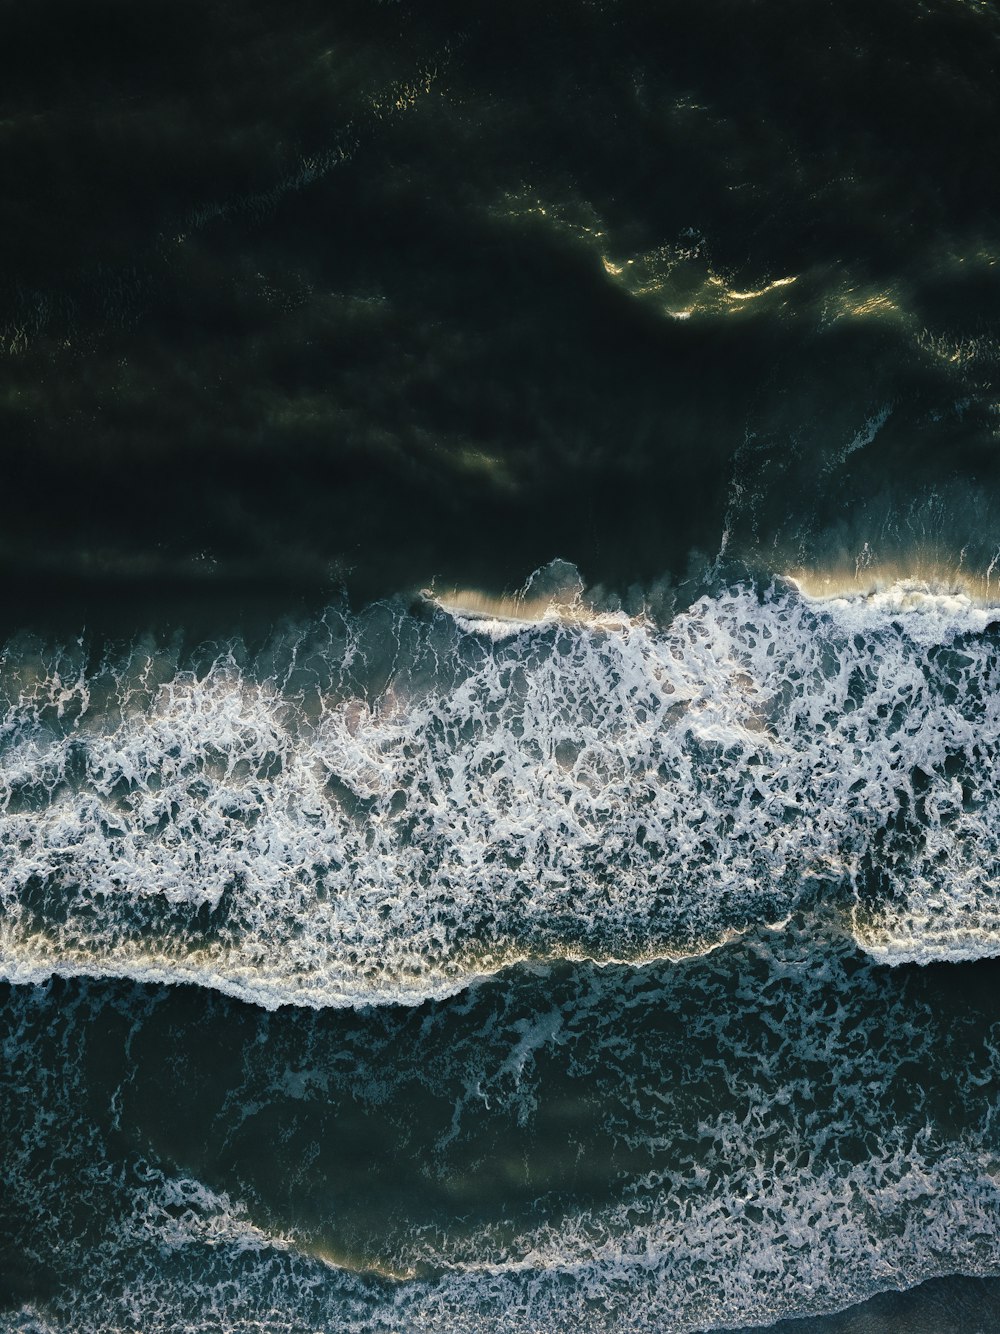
x,y
773,1156
746,1259
386,806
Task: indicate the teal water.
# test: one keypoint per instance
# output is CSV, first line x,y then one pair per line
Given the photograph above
x,y
782,1126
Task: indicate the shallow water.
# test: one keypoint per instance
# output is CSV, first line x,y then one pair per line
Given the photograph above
x,y
780,1127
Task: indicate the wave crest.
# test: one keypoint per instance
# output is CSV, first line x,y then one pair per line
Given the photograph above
x,y
380,807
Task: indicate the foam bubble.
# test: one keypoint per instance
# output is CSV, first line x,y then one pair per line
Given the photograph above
x,y
381,807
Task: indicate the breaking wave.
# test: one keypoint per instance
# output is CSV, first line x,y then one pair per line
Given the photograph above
x,y
380,806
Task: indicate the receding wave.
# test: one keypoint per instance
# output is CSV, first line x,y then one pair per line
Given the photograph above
x,y
782,1129
380,806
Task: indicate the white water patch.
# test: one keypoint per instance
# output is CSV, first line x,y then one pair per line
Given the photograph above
x,y
751,1259
815,1173
745,1260
769,1218
787,1129
384,806
931,617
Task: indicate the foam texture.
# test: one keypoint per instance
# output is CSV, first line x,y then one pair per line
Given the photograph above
x,y
381,807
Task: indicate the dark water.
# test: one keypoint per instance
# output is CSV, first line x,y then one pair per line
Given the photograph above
x,y
394,938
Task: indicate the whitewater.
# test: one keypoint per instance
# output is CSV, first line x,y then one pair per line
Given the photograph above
x,y
377,807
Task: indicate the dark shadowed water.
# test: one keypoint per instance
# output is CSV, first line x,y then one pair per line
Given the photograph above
x,y
500,685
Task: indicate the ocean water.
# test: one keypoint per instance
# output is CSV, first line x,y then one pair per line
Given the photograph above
x,y
500,667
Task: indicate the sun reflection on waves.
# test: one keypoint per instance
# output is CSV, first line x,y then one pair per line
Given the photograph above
x,y
915,584
473,602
